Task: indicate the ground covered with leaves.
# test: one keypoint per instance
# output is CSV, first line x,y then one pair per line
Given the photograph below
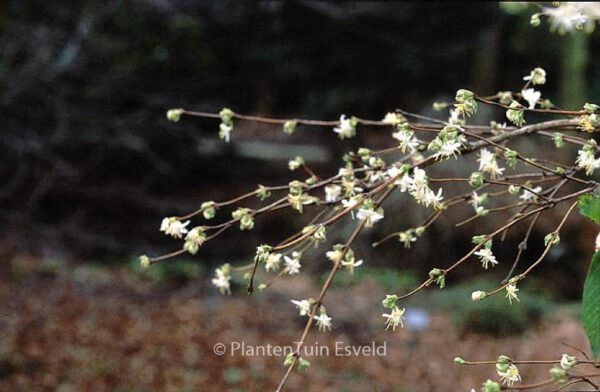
x,y
85,327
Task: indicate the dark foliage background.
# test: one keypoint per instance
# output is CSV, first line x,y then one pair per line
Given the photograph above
x,y
90,164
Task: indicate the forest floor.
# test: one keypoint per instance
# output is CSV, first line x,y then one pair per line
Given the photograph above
x,y
82,327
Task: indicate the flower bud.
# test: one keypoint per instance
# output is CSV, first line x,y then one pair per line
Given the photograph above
x,y
390,301
559,375
174,114
478,295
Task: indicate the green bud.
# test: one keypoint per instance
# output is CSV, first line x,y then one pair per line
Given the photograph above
x,y
244,215
559,375
390,301
464,95
558,140
288,359
459,361
434,273
490,386
590,108
144,261
535,20
478,239
303,364
289,127
567,361
208,210
262,287
513,189
262,253
551,238
504,360
515,114
511,158
476,180
226,115
263,192
174,114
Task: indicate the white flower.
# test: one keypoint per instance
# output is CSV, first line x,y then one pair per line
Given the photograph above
x,y
395,318
455,117
323,321
194,239
332,192
293,263
225,132
511,292
351,264
405,182
347,127
449,148
174,227
369,216
585,160
510,376
478,200
486,257
350,203
407,237
273,261
335,255
406,139
531,96
528,196
222,278
598,242
567,361
393,118
478,295
303,306
430,198
489,164
537,76
567,16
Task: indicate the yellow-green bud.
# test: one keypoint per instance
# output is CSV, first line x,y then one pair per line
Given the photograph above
x,y
459,361
303,364
490,386
476,180
390,301
208,209
559,375
289,127
174,114
144,261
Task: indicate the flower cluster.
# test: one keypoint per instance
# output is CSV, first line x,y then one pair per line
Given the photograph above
x,y
448,143
406,138
489,164
466,106
586,158
418,187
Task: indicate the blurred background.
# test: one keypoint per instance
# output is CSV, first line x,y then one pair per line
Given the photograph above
x,y
90,166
